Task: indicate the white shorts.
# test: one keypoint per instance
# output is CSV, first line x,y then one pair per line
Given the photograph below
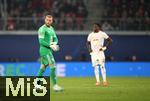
x,y
97,58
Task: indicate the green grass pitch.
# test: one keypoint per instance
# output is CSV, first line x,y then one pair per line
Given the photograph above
x,y
119,89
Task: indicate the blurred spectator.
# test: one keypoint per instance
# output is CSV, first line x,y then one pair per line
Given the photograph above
x,y
107,26
146,21
68,58
133,58
11,23
69,22
111,58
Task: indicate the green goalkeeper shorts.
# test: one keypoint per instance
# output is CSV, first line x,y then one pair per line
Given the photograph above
x,y
48,59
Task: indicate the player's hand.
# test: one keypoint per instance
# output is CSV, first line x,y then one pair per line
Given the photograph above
x,y
90,51
54,47
103,48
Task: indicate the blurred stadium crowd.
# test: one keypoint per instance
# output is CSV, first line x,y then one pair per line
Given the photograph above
x,y
127,14
28,14
75,14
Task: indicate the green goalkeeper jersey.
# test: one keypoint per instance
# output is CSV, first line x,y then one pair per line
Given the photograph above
x,y
46,36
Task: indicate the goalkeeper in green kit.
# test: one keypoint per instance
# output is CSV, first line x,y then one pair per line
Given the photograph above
x,y
48,43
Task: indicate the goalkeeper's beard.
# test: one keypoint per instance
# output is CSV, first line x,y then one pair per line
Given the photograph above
x,y
48,25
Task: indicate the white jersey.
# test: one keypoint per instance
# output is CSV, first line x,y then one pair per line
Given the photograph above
x,y
97,40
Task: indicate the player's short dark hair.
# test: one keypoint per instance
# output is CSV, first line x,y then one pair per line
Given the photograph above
x,y
98,25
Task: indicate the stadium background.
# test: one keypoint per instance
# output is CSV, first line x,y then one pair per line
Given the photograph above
x,y
126,21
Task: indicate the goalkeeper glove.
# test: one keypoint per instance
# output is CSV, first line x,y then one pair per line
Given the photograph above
x,y
54,46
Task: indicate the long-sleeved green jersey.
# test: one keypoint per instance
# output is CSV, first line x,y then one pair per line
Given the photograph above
x,y
46,36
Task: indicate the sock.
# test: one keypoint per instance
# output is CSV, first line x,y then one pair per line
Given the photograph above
x,y
103,71
96,71
40,74
53,75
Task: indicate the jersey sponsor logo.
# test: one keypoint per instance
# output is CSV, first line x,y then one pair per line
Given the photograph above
x,y
95,39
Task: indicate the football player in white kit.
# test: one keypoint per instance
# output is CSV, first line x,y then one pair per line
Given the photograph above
x,y
96,47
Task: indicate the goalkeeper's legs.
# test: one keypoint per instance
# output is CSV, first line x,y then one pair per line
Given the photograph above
x,y
53,78
103,72
41,71
40,74
53,75
44,63
96,71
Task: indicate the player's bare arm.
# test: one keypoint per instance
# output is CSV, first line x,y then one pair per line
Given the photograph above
x,y
108,42
88,44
